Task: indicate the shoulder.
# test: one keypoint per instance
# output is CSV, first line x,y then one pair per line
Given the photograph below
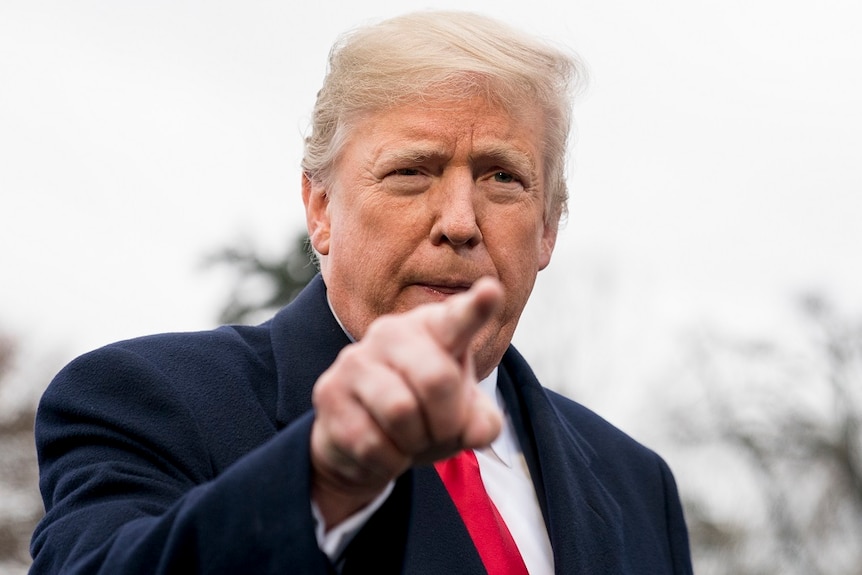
x,y
581,448
232,353
589,423
219,345
602,443
170,388
178,358
609,447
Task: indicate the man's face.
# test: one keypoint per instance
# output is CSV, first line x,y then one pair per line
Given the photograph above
x,y
424,200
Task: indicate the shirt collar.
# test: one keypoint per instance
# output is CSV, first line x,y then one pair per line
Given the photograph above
x,y
335,315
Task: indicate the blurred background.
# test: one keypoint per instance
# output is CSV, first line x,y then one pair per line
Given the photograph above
x,y
705,291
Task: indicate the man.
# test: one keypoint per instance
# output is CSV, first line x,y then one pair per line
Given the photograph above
x,y
341,435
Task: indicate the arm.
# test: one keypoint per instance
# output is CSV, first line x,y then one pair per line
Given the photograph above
x,y
135,477
130,486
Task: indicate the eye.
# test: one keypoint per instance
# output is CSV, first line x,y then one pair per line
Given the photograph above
x,y
504,177
404,172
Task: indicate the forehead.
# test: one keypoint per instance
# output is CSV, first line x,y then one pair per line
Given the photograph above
x,y
444,126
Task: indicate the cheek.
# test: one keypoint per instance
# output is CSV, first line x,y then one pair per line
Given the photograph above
x,y
520,249
370,244
524,255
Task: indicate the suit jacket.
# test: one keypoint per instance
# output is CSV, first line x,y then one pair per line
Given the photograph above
x,y
188,453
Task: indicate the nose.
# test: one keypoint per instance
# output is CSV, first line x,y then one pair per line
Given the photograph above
x,y
455,219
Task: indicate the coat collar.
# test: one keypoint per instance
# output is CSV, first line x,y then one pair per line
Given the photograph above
x,y
306,339
581,516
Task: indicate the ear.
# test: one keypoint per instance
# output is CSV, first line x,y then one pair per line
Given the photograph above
x,y
546,244
316,202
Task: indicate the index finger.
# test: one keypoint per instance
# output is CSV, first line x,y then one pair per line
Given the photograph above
x,y
464,314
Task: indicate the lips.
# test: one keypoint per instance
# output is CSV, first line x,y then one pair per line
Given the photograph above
x,y
446,289
439,281
442,287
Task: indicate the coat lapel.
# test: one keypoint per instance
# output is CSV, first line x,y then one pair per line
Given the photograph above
x,y
438,541
580,514
306,339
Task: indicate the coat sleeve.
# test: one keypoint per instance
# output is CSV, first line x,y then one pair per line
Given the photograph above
x,y
674,519
130,484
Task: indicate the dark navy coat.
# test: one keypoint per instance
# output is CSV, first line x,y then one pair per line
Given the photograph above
x,y
188,453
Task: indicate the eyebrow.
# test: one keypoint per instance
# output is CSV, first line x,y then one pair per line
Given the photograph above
x,y
415,154
508,156
498,154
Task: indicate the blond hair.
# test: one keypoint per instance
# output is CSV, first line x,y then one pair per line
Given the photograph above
x,y
422,55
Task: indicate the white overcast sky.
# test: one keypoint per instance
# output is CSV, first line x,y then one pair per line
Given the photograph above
x,y
717,170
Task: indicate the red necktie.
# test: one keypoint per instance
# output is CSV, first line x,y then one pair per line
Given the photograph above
x,y
497,549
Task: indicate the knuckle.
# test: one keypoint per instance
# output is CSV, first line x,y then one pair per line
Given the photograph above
x,y
346,436
350,359
373,455
441,381
366,446
319,393
401,409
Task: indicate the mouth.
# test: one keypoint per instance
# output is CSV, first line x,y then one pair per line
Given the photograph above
x,y
445,289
